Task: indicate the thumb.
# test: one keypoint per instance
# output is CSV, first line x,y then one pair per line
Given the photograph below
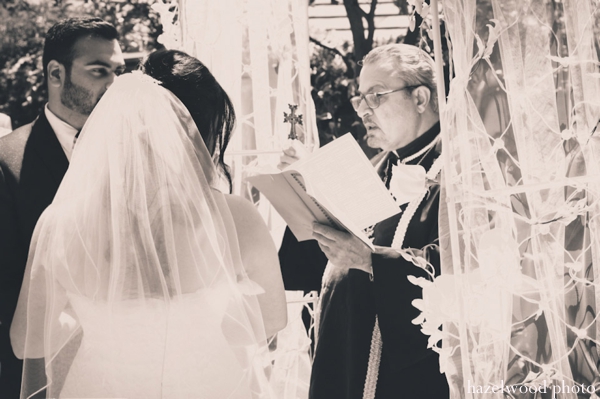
x,y
300,151
290,151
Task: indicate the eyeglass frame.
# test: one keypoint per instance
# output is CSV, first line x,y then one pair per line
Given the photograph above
x,y
377,95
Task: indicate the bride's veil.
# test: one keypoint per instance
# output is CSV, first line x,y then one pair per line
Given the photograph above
x,y
136,228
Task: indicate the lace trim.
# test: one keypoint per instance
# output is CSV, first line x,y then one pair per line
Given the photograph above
x,y
374,360
422,150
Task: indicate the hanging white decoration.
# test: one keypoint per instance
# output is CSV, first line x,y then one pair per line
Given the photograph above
x,y
519,293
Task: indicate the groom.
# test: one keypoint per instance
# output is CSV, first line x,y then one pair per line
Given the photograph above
x,y
81,59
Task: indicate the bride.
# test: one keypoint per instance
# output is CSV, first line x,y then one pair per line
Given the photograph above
x,y
143,280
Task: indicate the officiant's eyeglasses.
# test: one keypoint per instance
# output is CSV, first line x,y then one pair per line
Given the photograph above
x,y
372,99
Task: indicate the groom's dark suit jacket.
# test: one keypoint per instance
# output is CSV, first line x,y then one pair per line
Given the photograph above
x,y
32,165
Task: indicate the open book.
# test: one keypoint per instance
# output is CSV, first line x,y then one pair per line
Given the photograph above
x,y
336,185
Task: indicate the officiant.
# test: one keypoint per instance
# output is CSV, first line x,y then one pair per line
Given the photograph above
x,y
365,295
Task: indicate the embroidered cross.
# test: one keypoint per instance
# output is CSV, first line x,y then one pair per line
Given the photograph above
x,y
292,119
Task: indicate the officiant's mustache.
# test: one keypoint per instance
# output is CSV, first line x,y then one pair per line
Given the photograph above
x,y
368,122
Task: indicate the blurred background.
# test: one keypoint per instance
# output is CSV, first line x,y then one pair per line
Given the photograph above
x,y
341,32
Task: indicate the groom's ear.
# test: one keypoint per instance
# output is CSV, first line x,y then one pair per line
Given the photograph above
x,y
56,73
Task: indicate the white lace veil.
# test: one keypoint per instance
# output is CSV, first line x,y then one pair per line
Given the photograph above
x,y
136,225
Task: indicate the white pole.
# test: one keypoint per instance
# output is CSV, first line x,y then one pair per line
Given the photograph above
x,y
439,58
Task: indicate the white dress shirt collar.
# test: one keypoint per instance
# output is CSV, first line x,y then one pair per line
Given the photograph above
x,y
65,133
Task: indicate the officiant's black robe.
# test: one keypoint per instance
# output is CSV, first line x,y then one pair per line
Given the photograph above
x,y
350,302
32,165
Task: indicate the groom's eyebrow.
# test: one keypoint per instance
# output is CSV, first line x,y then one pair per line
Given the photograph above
x,y
104,64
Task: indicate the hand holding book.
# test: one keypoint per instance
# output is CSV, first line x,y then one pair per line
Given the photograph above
x,y
343,249
335,185
294,152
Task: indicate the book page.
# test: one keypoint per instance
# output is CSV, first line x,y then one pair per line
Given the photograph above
x,y
287,193
322,214
343,180
296,209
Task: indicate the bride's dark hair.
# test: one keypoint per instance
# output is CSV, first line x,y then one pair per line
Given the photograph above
x,y
210,106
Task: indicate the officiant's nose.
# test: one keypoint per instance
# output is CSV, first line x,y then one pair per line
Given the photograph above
x,y
364,110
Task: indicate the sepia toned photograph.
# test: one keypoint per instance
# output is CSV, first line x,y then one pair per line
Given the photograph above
x,y
299,199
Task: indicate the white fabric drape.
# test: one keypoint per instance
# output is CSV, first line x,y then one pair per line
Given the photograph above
x,y
259,51
518,295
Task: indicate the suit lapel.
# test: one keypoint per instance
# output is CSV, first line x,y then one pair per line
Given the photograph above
x,y
44,142
42,169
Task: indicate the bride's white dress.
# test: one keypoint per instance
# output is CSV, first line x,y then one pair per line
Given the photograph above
x,y
159,350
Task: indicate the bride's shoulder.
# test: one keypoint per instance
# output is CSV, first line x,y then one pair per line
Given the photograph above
x,y
249,224
242,210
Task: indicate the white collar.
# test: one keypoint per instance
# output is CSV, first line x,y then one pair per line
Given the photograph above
x,y
65,133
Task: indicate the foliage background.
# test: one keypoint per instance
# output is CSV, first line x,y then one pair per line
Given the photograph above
x,y
23,27
25,22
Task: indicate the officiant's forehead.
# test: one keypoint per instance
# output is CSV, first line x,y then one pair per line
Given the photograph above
x,y
375,78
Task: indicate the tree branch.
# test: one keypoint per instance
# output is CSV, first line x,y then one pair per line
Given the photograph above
x,y
355,5
348,63
371,23
373,6
332,49
356,15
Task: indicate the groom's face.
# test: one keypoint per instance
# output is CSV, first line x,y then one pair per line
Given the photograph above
x,y
96,62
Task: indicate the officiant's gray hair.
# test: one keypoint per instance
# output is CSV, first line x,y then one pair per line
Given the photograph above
x,y
409,63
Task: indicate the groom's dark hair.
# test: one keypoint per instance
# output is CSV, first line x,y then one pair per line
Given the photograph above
x,y
207,102
62,36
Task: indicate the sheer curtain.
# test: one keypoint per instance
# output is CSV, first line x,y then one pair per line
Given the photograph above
x,y
259,51
518,295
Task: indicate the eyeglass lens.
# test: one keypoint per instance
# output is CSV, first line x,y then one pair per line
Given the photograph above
x,y
371,99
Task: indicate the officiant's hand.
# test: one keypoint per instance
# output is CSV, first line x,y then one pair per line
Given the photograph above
x,y
293,153
343,249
